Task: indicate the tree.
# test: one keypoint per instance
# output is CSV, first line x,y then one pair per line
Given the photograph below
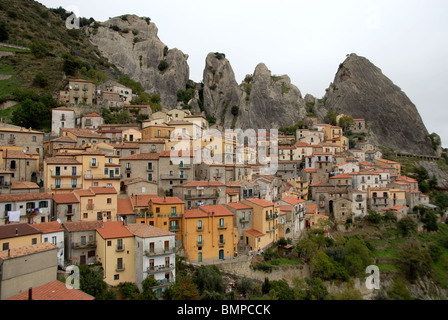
x,y
184,289
345,122
39,49
147,285
91,282
414,259
31,114
128,290
357,256
40,80
429,218
306,249
316,289
70,64
398,291
280,290
407,226
330,117
209,278
322,265
235,110
374,217
3,32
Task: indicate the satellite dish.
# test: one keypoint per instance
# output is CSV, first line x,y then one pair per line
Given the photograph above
x,y
24,149
58,220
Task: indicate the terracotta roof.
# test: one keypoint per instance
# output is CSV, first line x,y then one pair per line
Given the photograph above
x,y
238,205
311,208
92,115
261,202
254,233
124,206
55,290
65,198
63,109
203,183
285,207
77,226
23,251
218,209
143,230
166,200
25,197
84,133
176,153
406,179
16,185
342,176
194,213
49,227
142,200
84,193
115,229
293,200
16,154
63,139
60,160
23,229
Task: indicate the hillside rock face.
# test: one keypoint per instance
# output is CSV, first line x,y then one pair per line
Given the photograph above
x,y
263,101
137,51
361,90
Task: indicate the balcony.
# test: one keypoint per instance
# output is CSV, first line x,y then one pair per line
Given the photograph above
x,y
222,226
174,228
120,267
199,229
102,177
170,215
202,196
120,248
93,164
244,220
161,251
82,245
90,206
173,177
69,213
65,186
200,243
59,175
221,242
160,268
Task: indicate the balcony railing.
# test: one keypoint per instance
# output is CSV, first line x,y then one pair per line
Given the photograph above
x,y
65,186
173,177
101,177
200,228
59,175
120,267
69,213
222,226
90,206
244,220
120,248
202,196
160,268
81,245
174,228
159,251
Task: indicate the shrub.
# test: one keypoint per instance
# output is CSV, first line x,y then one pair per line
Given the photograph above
x,y
235,110
163,65
39,49
40,80
374,217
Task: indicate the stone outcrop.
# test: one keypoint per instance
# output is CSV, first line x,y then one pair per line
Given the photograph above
x,y
131,43
361,90
263,100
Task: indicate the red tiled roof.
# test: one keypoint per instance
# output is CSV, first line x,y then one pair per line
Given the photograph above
x,y
49,227
92,115
254,233
142,156
195,213
25,197
60,160
261,202
55,290
82,225
293,200
218,210
238,205
142,200
23,251
115,229
166,200
23,229
104,190
124,206
143,230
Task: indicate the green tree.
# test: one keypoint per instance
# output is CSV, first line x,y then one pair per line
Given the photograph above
x,y
128,290
91,282
345,122
373,217
357,256
306,249
31,114
322,266
414,259
209,278
280,290
70,64
39,49
40,80
407,226
429,218
331,117
185,289
316,289
147,292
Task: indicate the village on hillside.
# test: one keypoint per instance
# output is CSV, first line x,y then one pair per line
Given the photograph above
x,y
133,197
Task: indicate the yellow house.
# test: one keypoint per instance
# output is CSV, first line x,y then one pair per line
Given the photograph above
x,y
157,131
131,135
115,249
335,136
265,224
97,203
389,163
209,234
300,185
62,175
18,235
164,213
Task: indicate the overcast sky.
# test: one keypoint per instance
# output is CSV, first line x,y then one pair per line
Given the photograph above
x,y
307,40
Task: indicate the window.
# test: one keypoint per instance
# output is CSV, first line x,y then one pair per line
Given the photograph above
x,y
149,165
116,277
5,246
93,162
85,215
74,182
83,239
109,200
173,211
43,204
150,176
221,222
120,244
34,241
106,171
34,138
199,224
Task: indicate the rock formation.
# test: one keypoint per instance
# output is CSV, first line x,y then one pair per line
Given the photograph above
x,y
131,43
361,90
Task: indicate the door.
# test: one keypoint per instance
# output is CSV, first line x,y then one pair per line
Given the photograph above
x,y
199,256
221,254
82,260
58,171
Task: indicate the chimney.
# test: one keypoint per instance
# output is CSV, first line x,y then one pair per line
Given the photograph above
x,y
30,294
17,231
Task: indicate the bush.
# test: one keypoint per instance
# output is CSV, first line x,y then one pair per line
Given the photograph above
x,y
235,110
374,217
39,49
406,226
40,80
163,65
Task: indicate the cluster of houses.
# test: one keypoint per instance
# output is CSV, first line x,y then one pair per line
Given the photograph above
x,y
133,197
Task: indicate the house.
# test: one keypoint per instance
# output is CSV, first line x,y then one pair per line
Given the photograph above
x,y
265,224
18,235
155,255
65,207
138,186
378,198
22,138
359,126
209,234
84,136
97,203
27,267
396,166
53,232
142,165
91,121
80,241
50,145
23,165
54,290
242,218
26,208
125,149
18,187
198,193
116,252
157,131
5,181
62,117
295,216
246,188
62,175
81,92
